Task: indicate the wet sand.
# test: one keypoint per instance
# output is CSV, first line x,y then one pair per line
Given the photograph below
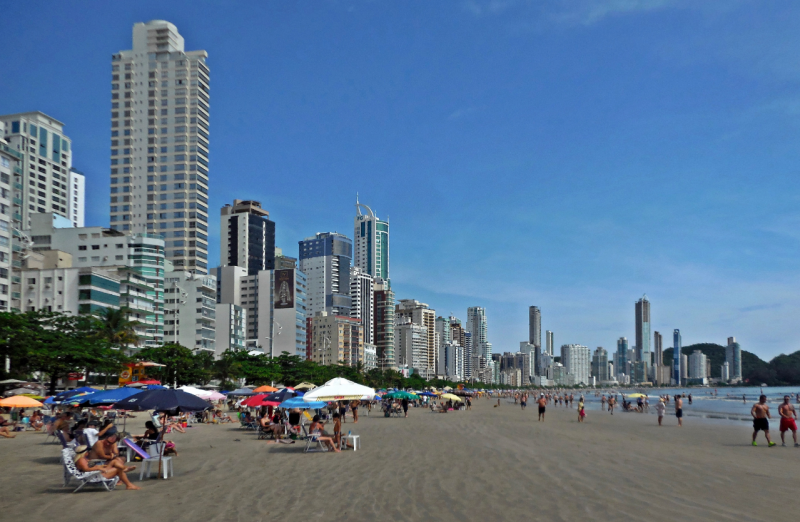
x,y
485,464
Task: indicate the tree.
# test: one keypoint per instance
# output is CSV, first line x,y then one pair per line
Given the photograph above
x,y
115,328
178,361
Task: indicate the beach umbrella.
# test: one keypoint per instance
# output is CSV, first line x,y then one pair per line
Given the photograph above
x,y
11,381
108,396
401,395
428,394
265,389
32,396
274,399
636,395
17,391
168,401
215,396
339,389
305,386
298,402
451,397
255,401
243,392
20,401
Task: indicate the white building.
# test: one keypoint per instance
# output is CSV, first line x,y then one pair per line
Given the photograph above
x,y
371,245
289,312
325,260
725,373
577,362
451,361
10,185
137,258
45,164
422,315
230,327
477,326
697,366
411,345
370,357
190,309
253,293
159,143
362,299
69,290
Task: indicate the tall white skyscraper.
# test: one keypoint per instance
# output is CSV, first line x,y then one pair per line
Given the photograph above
x,y
476,325
576,359
77,197
159,143
371,246
325,260
549,343
362,299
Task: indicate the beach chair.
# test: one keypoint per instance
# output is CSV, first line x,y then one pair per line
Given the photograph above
x,y
156,451
313,443
85,477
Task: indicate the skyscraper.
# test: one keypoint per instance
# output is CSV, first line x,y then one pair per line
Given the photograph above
x,y
325,260
576,360
549,344
535,326
247,237
658,347
371,243
476,325
159,143
622,356
384,325
362,301
643,330
420,314
733,356
676,356
46,175
600,365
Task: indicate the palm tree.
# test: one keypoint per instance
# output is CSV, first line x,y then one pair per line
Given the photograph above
x,y
116,330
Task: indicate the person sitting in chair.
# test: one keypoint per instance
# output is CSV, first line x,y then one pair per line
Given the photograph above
x,y
317,427
108,471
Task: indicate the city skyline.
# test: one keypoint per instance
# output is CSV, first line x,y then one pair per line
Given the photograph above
x,y
711,291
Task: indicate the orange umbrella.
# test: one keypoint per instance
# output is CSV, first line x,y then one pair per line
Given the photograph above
x,y
265,389
20,401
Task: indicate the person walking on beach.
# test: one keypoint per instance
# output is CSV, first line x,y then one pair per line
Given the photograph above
x,y
690,399
611,402
603,402
354,408
744,399
660,409
788,417
571,398
761,416
581,411
524,400
542,402
679,410
405,407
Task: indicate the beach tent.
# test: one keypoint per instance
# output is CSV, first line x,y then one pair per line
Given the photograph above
x,y
265,389
244,392
305,386
11,381
215,396
20,401
339,389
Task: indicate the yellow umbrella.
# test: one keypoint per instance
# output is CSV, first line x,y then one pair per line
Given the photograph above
x,y
20,401
451,397
636,395
33,396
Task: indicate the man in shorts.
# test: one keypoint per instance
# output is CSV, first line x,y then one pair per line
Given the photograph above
x,y
788,417
542,402
761,416
679,410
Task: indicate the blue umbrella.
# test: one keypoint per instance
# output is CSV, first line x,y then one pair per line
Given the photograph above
x,y
59,397
428,394
154,387
298,402
281,396
109,396
172,401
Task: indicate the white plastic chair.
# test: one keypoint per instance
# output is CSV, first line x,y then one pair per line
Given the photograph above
x,y
155,451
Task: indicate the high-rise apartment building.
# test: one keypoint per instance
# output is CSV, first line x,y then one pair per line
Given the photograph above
x,y
371,252
325,260
577,360
600,365
477,326
420,314
658,346
733,356
247,237
190,310
677,370
46,177
76,197
642,313
289,311
10,187
411,345
230,327
697,365
159,143
336,339
550,343
362,302
535,326
384,325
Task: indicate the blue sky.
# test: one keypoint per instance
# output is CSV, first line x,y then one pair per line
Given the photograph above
x,y
570,154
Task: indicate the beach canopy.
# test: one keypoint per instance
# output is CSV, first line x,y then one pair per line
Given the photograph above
x,y
197,392
215,396
339,389
11,381
244,392
305,386
265,389
173,401
20,401
401,395
451,397
428,394
298,402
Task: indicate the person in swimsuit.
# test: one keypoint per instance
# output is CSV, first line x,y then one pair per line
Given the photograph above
x,y
523,400
542,402
788,417
761,416
354,408
679,410
611,402
581,411
603,402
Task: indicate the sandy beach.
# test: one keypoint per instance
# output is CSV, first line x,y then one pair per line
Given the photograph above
x,y
491,463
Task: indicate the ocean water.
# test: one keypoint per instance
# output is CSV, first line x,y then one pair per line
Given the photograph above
x,y
725,405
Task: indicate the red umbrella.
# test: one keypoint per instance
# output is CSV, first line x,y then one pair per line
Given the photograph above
x,y
255,401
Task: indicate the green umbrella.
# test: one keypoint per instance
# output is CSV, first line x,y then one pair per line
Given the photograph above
x,y
401,395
